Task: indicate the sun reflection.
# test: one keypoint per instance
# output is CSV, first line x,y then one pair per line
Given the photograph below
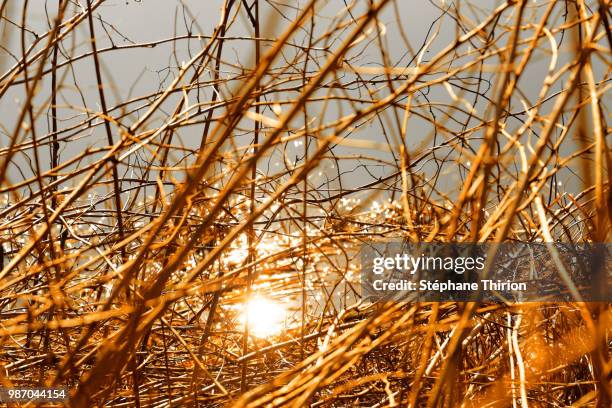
x,y
266,317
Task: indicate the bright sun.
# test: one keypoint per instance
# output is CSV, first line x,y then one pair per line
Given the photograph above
x,y
266,318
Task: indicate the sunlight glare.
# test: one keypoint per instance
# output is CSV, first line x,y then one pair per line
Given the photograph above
x,y
266,317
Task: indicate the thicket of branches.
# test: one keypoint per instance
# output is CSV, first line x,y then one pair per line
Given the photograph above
x,y
135,225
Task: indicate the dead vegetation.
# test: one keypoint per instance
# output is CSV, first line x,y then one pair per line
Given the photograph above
x,y
137,223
